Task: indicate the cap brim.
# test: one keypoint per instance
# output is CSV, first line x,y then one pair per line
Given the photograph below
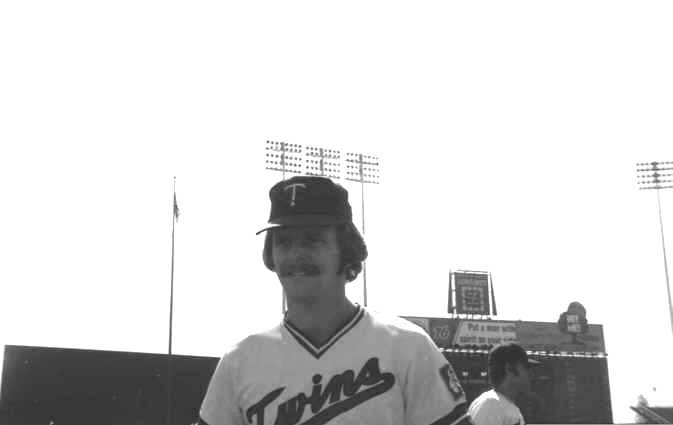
x,y
268,228
304,221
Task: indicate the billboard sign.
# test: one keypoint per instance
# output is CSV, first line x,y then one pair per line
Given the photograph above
x,y
475,332
538,336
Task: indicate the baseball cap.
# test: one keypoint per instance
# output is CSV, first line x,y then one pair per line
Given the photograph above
x,y
308,201
509,353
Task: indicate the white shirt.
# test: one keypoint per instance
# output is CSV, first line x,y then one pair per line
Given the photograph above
x,y
493,408
375,370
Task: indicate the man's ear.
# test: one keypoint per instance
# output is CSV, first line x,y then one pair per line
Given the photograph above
x,y
512,369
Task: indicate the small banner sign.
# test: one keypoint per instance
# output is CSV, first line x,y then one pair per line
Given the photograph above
x,y
543,336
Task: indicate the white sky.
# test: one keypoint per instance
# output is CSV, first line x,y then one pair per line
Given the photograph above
x,y
508,134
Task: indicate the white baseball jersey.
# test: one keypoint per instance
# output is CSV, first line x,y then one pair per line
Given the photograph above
x,y
493,408
373,371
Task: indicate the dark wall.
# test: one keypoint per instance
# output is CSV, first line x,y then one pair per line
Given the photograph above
x,y
104,387
89,386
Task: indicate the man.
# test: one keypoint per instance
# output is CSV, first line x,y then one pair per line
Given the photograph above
x,y
509,373
330,360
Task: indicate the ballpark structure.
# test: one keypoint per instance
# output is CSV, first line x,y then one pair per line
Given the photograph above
x,y
570,386
42,385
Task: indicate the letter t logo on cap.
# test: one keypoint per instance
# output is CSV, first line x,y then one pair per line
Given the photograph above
x,y
294,191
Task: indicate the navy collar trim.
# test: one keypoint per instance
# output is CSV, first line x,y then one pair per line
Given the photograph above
x,y
315,350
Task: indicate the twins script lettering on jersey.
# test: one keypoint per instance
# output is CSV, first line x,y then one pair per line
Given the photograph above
x,y
343,392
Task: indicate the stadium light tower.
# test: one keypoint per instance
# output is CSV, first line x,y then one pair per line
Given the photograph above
x,y
364,169
650,177
283,157
323,162
286,158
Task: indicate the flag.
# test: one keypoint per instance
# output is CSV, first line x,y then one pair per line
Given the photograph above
x,y
176,210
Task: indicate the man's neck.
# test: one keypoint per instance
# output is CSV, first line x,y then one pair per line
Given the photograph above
x,y
510,393
319,319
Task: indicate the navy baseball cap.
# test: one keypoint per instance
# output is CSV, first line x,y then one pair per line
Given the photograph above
x,y
509,353
308,201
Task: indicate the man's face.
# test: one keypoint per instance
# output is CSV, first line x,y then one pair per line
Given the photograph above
x,y
306,259
523,377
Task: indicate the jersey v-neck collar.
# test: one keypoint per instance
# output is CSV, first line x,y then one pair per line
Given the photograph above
x,y
318,351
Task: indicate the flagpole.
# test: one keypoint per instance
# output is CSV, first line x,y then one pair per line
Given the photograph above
x,y
450,309
495,310
169,385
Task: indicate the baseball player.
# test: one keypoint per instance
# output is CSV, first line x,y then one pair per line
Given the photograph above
x,y
509,372
329,361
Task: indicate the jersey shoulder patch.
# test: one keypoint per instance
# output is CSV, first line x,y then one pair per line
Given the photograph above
x,y
451,381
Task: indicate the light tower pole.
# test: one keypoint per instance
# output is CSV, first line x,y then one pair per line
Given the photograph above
x,y
650,177
286,158
364,169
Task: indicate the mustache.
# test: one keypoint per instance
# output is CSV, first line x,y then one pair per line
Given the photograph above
x,y
294,267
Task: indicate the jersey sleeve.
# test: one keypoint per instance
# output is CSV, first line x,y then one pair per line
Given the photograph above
x,y
433,395
489,412
220,405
